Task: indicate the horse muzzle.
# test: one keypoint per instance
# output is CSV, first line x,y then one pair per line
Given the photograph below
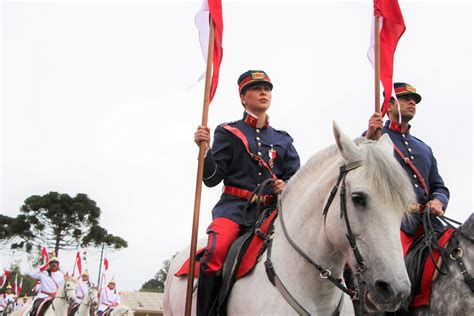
x,y
383,297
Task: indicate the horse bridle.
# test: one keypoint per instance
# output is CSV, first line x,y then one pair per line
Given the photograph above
x,y
324,273
361,265
65,295
454,251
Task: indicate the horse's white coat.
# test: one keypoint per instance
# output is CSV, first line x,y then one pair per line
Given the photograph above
x,y
90,301
375,226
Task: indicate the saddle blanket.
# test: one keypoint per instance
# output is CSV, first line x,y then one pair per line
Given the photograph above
x,y
423,297
248,260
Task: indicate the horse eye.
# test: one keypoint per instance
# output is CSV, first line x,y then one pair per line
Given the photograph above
x,y
359,199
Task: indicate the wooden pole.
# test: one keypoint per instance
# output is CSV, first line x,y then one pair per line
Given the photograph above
x,y
378,133
197,196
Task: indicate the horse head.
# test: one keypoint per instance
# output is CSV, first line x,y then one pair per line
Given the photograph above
x,y
69,288
377,195
93,296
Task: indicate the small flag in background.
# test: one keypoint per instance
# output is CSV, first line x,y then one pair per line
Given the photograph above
x,y
5,278
392,27
19,288
79,262
211,9
45,255
106,264
15,285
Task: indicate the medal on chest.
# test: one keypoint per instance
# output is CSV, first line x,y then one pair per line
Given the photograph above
x,y
271,155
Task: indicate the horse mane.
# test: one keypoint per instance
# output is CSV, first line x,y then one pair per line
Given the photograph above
x,y
381,169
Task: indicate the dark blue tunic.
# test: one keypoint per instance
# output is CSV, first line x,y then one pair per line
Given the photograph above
x,y
422,157
229,160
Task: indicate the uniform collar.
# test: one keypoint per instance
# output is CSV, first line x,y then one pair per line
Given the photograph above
x,y
394,126
251,119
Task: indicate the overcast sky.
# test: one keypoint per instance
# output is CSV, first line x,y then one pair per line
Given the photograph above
x,y
96,100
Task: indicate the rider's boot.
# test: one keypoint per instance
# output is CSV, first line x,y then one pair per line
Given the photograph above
x,y
208,291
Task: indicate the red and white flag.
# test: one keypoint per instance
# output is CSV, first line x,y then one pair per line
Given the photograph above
x,y
5,278
211,9
19,288
79,262
392,27
45,255
15,285
106,264
104,273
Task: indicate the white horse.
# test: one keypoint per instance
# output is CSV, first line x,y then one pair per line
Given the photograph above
x,y
9,308
378,195
65,295
89,303
122,309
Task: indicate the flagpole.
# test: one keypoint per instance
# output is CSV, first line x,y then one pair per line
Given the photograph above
x,y
378,133
100,266
197,195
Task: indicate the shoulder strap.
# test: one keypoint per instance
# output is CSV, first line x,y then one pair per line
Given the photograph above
x,y
413,168
245,142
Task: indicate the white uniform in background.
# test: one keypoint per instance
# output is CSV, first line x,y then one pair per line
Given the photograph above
x,y
50,282
108,298
82,290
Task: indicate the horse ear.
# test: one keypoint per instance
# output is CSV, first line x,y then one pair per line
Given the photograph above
x,y
386,143
346,146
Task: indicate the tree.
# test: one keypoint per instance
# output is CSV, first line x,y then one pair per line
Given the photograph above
x,y
11,227
59,221
157,284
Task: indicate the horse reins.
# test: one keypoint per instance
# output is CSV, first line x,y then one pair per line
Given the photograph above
x,y
455,253
323,272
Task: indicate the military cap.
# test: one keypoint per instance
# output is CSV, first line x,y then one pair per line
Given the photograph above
x,y
404,89
252,77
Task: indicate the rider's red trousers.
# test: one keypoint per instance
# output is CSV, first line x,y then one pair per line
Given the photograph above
x,y
221,234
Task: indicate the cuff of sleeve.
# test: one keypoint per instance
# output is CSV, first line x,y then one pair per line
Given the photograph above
x,y
210,166
440,196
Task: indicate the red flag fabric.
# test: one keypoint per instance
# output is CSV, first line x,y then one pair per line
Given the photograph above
x,y
392,28
15,285
45,255
215,9
211,9
79,262
106,264
5,278
19,288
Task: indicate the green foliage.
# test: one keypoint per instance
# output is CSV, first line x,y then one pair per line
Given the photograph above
x,y
11,227
157,284
58,221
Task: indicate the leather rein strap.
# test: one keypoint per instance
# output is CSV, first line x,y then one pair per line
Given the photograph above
x,y
456,253
323,272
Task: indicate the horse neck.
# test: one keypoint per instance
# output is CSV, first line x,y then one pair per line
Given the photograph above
x,y
302,209
60,300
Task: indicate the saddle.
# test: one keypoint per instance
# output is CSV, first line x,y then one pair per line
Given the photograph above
x,y
40,308
421,262
242,257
